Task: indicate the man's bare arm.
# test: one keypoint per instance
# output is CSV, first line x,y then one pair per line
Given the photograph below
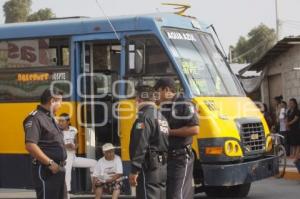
x,y
37,153
184,131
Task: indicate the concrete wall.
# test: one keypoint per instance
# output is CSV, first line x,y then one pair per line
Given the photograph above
x,y
284,65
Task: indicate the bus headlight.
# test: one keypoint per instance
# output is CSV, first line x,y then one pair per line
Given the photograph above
x,y
229,147
232,148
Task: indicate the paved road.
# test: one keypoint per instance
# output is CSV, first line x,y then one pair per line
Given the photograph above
x,y
272,189
265,189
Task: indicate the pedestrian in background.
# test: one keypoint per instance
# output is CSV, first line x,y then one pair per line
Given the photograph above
x,y
275,113
148,148
293,116
283,125
45,143
265,111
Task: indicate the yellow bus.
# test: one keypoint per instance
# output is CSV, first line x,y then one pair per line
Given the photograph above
x,y
98,62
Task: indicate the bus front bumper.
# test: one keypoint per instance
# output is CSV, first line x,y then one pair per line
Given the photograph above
x,y
240,173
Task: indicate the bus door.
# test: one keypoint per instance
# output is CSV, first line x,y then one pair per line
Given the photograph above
x,y
99,68
146,62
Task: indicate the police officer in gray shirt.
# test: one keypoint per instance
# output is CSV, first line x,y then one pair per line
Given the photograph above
x,y
184,124
44,141
148,148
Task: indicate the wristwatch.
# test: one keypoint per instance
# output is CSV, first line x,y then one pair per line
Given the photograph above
x,y
50,163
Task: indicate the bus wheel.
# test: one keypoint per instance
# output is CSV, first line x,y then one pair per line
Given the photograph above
x,y
231,191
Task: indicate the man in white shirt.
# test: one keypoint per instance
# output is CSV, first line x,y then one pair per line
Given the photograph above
x,y
70,140
107,173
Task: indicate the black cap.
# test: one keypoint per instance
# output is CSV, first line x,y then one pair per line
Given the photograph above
x,y
145,92
165,82
50,93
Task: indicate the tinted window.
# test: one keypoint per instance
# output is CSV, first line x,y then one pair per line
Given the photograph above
x,y
28,86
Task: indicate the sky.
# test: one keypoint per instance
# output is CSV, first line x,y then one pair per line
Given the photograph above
x,y
231,18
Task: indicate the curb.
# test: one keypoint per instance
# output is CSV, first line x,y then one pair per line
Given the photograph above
x,y
291,172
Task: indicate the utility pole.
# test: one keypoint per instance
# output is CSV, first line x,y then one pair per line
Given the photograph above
x,y
277,21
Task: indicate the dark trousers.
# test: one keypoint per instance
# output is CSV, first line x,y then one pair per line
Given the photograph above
x,y
285,141
180,176
152,184
48,185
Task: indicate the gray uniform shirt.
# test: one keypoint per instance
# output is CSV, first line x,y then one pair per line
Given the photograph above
x,y
41,128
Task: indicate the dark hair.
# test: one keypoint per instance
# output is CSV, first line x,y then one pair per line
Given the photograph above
x,y
284,102
278,98
145,93
165,82
48,94
65,116
265,107
295,102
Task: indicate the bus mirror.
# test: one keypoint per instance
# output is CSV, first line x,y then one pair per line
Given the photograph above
x,y
136,58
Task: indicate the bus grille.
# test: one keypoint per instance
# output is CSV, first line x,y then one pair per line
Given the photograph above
x,y
253,138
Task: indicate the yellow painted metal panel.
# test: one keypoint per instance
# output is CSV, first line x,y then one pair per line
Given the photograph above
x,y
127,115
11,128
219,120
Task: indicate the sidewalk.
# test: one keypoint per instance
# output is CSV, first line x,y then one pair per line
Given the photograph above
x,y
30,194
291,173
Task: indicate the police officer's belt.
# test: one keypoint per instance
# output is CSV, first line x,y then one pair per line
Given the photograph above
x,y
60,163
181,151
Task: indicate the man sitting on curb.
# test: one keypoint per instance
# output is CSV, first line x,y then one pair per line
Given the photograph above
x,y
107,173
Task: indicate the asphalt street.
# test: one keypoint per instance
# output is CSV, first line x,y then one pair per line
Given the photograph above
x,y
266,189
272,189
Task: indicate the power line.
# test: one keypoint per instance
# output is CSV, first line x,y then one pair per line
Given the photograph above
x,y
111,25
260,44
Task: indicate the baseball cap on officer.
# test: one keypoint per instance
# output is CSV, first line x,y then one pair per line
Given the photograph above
x,y
164,83
145,92
107,147
50,93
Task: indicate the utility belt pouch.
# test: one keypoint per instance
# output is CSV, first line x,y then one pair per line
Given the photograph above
x,y
152,160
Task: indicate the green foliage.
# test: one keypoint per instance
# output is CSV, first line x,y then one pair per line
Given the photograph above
x,y
41,15
19,11
16,10
258,41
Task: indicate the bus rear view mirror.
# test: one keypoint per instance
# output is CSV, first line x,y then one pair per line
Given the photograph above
x,y
136,57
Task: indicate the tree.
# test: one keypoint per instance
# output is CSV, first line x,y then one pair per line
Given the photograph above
x,y
16,10
258,41
41,15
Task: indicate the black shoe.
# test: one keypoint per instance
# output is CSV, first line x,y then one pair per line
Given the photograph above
x,y
297,164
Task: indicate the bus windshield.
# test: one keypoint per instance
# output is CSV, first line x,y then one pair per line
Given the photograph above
x,y
202,64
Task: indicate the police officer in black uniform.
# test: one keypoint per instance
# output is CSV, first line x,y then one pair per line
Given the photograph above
x,y
44,141
184,124
148,148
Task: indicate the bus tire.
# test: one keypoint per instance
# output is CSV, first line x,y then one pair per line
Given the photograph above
x,y
236,191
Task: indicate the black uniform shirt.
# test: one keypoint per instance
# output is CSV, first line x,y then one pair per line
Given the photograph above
x,y
150,130
291,114
41,128
180,112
